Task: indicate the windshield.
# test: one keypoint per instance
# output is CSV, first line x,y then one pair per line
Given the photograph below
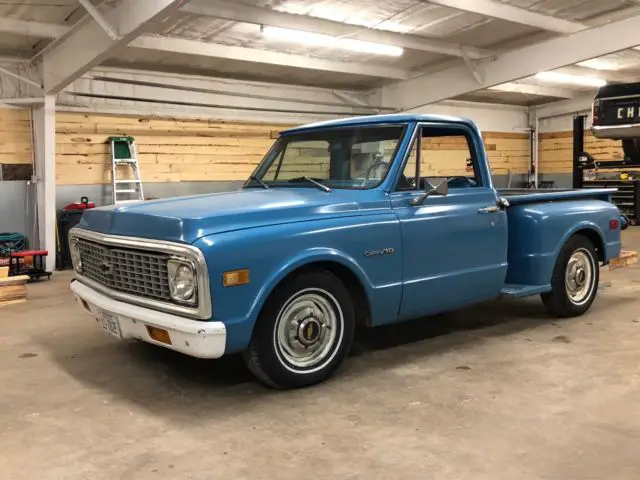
x,y
356,157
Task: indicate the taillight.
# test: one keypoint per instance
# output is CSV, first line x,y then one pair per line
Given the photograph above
x,y
614,224
595,111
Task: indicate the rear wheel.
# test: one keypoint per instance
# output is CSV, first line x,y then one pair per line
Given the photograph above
x,y
575,279
303,333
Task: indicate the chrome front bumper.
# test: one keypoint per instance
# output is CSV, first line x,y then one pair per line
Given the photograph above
x,y
196,338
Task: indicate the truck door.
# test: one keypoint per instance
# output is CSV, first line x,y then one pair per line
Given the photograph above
x,y
454,245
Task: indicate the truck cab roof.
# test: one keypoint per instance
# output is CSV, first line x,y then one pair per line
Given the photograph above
x,y
379,119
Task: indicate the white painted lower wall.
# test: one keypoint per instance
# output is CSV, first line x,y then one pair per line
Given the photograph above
x,y
558,116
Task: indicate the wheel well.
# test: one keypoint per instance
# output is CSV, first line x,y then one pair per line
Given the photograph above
x,y
351,282
593,236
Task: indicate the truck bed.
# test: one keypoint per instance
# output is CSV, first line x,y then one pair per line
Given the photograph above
x,y
519,196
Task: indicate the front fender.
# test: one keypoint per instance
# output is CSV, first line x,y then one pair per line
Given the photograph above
x,y
301,259
271,253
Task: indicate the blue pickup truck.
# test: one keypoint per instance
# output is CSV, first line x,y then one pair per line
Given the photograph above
x,y
350,223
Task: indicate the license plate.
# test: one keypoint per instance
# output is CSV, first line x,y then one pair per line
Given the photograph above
x,y
109,322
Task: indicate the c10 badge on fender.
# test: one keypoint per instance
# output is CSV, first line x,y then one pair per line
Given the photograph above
x,y
384,251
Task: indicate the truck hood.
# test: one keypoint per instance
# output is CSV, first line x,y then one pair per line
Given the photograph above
x,y
185,219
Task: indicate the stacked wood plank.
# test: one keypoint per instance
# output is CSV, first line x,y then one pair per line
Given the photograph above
x,y
447,156
15,136
173,150
13,290
556,151
170,150
508,152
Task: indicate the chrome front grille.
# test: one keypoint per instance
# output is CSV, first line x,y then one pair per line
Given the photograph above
x,y
130,271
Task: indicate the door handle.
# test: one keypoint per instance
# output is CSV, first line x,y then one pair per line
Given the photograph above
x,y
491,209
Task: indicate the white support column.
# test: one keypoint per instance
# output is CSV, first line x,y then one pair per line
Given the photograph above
x,y
44,133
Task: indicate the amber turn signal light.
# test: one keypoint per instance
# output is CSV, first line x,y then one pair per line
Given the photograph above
x,y
159,334
235,277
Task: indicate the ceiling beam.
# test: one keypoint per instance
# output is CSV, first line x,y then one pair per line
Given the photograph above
x,y
165,94
256,55
86,44
192,47
548,23
32,29
576,105
539,90
503,11
608,75
514,65
97,16
128,78
237,12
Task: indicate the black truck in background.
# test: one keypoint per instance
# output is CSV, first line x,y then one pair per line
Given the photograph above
x,y
616,116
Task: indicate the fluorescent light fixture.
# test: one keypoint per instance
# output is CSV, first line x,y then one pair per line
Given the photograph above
x,y
320,40
572,79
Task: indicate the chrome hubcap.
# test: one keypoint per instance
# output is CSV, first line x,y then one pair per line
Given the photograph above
x,y
307,327
579,276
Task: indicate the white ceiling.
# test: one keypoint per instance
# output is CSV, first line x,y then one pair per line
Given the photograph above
x,y
418,18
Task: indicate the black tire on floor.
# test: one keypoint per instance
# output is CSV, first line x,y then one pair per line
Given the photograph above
x,y
299,307
559,302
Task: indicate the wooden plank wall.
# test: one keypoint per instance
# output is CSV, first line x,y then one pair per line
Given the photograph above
x,y
169,150
447,156
15,136
188,150
508,151
555,154
172,150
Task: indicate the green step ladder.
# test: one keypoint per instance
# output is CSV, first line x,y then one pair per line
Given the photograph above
x,y
124,160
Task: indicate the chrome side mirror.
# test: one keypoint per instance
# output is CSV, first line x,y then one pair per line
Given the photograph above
x,y
441,189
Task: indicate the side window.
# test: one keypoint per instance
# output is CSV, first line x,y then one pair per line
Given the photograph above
x,y
445,154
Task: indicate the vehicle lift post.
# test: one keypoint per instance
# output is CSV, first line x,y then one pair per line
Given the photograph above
x,y
578,149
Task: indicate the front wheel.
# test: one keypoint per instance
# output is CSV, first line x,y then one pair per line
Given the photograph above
x,y
303,333
575,279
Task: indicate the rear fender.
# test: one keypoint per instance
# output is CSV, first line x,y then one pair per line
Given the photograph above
x,y
537,232
585,226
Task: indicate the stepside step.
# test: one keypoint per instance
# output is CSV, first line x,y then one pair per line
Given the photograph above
x,y
514,290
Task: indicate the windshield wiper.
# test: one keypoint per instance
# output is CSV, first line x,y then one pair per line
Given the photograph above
x,y
259,180
321,186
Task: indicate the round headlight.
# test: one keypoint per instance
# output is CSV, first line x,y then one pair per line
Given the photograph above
x,y
182,281
76,259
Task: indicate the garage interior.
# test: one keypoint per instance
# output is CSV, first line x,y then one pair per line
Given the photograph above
x,y
204,87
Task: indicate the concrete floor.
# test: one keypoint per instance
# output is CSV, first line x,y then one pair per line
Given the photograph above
x,y
500,392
